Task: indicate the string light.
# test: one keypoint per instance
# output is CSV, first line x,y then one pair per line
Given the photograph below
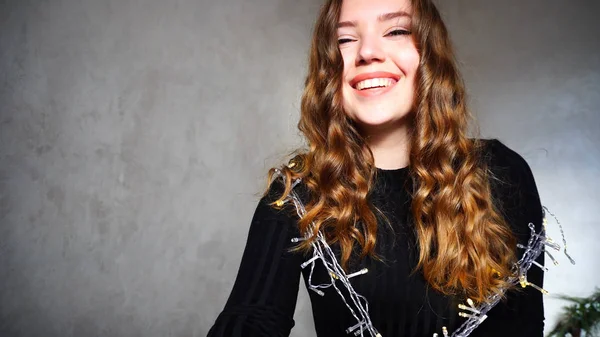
x,y
358,304
535,247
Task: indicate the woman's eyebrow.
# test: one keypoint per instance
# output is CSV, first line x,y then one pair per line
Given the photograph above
x,y
380,18
391,16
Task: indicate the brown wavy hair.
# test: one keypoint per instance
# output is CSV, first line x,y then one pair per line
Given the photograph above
x,y
464,243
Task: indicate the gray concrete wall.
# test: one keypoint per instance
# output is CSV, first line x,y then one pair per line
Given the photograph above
x,y
135,135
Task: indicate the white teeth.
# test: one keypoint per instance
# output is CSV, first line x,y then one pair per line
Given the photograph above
x,y
374,83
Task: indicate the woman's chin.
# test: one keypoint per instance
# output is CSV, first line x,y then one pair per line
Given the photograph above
x,y
376,121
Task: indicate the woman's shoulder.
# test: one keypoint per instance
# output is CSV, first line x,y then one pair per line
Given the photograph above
x,y
277,185
513,185
273,221
505,165
293,170
501,157
275,202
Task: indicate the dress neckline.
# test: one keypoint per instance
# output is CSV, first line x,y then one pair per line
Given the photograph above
x,y
392,172
392,178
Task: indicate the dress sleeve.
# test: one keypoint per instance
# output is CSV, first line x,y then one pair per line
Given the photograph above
x,y
516,196
263,298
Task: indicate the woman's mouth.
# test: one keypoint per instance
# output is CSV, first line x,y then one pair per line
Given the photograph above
x,y
374,83
374,86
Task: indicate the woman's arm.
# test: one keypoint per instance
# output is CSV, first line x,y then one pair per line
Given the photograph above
x,y
264,294
516,195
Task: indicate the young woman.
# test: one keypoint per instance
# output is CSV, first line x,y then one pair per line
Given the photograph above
x,y
400,224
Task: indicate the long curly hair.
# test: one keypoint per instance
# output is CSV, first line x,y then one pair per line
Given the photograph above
x,y
465,246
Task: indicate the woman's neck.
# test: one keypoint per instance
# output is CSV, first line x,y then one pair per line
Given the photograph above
x,y
390,146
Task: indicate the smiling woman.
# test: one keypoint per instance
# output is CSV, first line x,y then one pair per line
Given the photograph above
x,y
394,217
380,65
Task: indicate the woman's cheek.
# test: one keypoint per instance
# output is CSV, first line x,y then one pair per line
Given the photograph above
x,y
408,61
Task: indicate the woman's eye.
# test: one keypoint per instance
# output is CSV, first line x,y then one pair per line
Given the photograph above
x,y
398,32
342,41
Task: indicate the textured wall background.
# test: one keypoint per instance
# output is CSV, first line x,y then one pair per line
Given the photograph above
x,y
135,135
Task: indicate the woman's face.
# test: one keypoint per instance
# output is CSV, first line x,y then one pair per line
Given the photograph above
x,y
380,61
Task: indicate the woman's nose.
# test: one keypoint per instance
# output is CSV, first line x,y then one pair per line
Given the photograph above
x,y
370,51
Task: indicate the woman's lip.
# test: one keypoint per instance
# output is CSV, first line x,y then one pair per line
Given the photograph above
x,y
376,74
374,91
